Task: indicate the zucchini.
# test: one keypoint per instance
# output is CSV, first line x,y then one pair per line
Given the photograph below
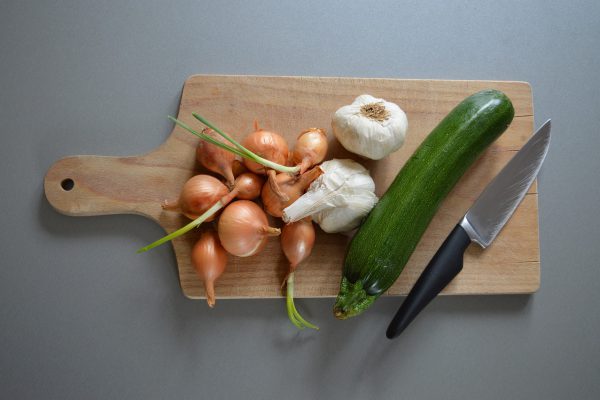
x,y
388,236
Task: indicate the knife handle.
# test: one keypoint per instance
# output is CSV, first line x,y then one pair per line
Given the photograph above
x,y
443,267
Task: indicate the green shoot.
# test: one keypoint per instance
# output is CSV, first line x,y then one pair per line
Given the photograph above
x,y
216,207
293,314
244,152
207,138
220,132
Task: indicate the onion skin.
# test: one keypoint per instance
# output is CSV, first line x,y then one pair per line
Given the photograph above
x,y
297,241
238,167
248,186
310,148
209,259
214,158
244,228
273,202
289,189
266,144
198,194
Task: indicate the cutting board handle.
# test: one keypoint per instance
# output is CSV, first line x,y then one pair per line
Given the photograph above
x,y
93,185
101,185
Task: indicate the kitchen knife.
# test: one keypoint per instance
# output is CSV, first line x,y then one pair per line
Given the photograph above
x,y
481,224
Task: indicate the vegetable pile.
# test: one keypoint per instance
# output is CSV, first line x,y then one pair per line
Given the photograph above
x,y
262,177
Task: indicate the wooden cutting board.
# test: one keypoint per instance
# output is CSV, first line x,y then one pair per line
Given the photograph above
x,y
138,184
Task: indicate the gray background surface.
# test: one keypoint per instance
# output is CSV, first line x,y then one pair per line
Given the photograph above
x,y
83,316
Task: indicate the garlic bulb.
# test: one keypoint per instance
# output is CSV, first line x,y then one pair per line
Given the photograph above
x,y
338,200
370,127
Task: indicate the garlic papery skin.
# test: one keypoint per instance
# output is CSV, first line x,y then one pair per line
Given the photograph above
x,y
338,200
370,127
344,219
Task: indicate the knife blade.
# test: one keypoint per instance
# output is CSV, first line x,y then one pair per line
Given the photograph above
x,y
481,224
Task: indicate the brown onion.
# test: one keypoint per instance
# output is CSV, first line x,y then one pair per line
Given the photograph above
x,y
198,194
247,186
266,144
297,241
310,148
214,158
244,228
209,259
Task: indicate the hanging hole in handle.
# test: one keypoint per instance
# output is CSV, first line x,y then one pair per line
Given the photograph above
x,y
67,184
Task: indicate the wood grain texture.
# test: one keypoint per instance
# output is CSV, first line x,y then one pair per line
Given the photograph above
x,y
138,184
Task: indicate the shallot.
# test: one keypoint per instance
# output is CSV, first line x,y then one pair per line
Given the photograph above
x,y
244,228
199,193
209,259
297,241
310,148
266,144
215,158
